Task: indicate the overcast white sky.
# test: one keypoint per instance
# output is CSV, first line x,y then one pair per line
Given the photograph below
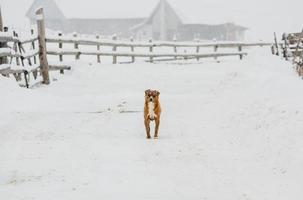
x,y
263,17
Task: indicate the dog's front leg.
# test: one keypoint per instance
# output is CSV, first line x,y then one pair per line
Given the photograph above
x,y
157,127
147,127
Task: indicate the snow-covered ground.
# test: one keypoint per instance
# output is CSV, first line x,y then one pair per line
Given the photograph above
x,y
230,131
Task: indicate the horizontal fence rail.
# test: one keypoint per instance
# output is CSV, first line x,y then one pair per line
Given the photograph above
x,y
95,42
6,37
31,40
130,54
9,69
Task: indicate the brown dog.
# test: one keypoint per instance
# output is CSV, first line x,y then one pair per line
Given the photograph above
x,y
152,111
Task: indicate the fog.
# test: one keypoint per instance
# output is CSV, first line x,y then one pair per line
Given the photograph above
x,y
262,17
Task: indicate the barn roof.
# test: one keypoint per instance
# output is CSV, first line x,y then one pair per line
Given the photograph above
x,y
51,9
199,14
108,26
167,7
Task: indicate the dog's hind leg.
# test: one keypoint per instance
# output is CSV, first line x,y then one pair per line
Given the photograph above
x,y
157,127
147,127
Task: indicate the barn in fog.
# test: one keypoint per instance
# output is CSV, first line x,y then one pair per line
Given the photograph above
x,y
164,23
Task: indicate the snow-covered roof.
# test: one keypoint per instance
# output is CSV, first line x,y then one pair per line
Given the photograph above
x,y
51,9
167,7
199,12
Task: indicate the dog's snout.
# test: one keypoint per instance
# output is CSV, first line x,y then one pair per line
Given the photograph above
x,y
151,99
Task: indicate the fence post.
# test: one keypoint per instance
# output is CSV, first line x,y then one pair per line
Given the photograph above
x,y
76,46
240,50
33,46
151,58
198,49
98,48
272,48
3,60
42,46
185,52
132,49
276,43
4,44
1,21
175,46
216,50
285,46
60,47
15,48
114,50
35,73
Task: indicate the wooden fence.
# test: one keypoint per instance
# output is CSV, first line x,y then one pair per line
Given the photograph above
x,y
15,60
291,48
40,50
151,55
22,62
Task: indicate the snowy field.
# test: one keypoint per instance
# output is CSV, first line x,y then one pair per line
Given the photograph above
x,y
229,131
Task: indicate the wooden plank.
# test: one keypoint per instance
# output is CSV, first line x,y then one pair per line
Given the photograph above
x,y
32,68
30,55
10,54
276,44
94,42
59,67
114,49
12,71
98,49
29,40
130,54
4,68
42,46
18,69
8,38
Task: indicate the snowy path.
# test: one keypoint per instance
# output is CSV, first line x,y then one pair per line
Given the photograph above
x,y
229,131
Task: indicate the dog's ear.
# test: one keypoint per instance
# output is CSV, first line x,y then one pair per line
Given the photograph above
x,y
158,93
146,92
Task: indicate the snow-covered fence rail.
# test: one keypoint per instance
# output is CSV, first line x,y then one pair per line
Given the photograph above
x,y
95,42
145,55
30,40
115,44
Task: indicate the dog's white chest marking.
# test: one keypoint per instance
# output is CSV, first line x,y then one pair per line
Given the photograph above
x,y
151,111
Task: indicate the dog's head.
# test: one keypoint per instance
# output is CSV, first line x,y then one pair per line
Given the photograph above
x,y
151,95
